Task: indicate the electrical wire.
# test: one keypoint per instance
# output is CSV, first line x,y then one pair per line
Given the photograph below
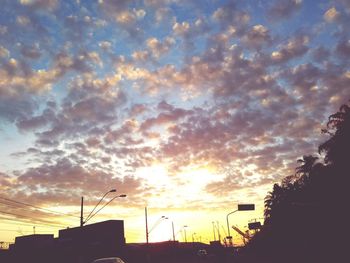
x,y
25,231
36,207
24,223
23,216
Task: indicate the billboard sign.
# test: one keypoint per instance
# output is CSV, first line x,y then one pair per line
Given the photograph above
x,y
254,225
246,207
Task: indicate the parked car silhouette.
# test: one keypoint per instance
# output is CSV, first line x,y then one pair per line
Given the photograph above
x,y
108,260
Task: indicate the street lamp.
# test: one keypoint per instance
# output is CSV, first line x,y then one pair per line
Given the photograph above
x,y
157,223
154,226
117,196
184,227
173,230
214,230
92,214
241,207
179,231
193,234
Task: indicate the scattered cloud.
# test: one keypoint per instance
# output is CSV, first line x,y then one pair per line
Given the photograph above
x,y
102,91
284,9
331,15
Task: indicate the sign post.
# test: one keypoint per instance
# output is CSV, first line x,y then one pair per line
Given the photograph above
x,y
240,207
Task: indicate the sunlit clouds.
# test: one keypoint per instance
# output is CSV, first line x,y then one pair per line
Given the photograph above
x,y
186,107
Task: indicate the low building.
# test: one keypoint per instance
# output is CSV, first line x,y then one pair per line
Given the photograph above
x,y
85,243
73,245
33,242
107,236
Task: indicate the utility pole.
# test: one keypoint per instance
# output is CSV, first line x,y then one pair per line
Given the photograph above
x,y
146,225
148,258
214,230
193,238
172,225
217,224
81,212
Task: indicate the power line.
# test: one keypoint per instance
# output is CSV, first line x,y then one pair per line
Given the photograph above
x,y
36,207
17,206
24,223
26,231
39,220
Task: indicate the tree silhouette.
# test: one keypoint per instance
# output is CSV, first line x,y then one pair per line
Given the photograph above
x,y
306,165
303,211
337,148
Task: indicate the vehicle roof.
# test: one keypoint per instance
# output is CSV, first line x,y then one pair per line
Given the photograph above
x,y
109,260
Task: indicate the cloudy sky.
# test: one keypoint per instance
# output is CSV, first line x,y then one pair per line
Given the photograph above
x,y
187,106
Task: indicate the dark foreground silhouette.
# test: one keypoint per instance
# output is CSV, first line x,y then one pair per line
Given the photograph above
x,y
306,215
162,252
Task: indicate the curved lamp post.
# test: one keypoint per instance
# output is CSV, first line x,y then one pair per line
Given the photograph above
x,y
173,230
184,228
154,226
92,214
214,230
241,207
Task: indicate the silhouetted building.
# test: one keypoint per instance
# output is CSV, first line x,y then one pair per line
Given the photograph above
x,y
105,233
91,241
73,245
33,242
32,248
4,255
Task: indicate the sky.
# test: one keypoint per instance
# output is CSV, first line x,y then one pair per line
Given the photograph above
x,y
189,107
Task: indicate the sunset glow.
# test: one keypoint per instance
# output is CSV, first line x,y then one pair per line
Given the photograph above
x,y
187,107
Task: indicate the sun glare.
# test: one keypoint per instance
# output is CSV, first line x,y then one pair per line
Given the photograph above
x,y
155,175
